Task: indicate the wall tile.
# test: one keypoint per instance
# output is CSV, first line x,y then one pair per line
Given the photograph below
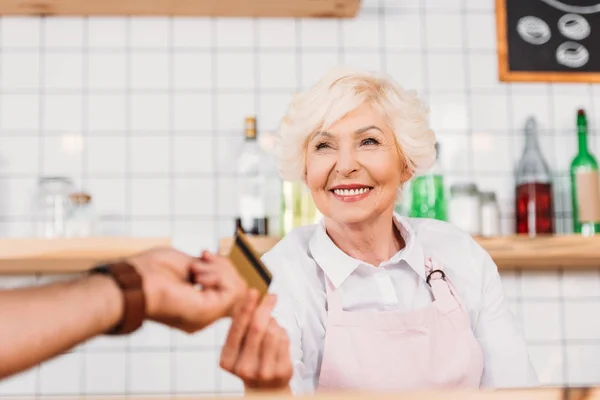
x,y
63,71
192,71
195,372
64,32
277,70
444,32
21,32
277,33
20,112
193,154
583,364
62,375
194,197
192,32
149,373
20,71
149,155
403,31
19,155
105,373
149,32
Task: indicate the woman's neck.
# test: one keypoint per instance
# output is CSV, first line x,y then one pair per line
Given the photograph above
x,y
373,241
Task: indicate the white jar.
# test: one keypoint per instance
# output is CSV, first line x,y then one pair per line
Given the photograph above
x,y
465,208
490,215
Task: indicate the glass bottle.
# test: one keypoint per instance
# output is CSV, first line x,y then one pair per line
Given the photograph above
x,y
427,193
52,206
490,215
251,181
298,207
465,207
534,205
585,184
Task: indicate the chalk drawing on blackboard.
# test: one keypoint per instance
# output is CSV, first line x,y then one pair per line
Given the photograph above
x,y
572,55
533,30
574,27
568,8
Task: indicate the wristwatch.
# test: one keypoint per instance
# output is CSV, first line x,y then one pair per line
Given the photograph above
x,y
131,285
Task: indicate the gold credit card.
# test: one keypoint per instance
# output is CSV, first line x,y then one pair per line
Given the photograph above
x,y
248,263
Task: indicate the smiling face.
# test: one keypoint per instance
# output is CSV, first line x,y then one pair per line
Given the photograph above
x,y
354,169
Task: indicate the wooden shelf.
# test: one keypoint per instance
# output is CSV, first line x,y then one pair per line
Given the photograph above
x,y
49,256
569,252
186,8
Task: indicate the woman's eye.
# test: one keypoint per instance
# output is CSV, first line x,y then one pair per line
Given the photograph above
x,y
370,141
321,146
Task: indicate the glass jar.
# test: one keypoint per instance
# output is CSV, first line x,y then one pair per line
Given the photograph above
x,y
465,207
81,221
490,214
52,206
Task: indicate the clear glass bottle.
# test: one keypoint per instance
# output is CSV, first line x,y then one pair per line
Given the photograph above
x,y
81,221
427,193
585,184
52,206
534,206
251,181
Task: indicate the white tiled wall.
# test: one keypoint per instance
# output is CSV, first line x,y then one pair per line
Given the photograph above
x,y
147,114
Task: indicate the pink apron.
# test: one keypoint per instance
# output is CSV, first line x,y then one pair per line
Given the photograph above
x,y
387,351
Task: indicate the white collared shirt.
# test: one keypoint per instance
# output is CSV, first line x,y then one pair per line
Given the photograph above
x,y
300,260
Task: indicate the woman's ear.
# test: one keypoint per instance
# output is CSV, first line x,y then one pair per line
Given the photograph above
x,y
406,174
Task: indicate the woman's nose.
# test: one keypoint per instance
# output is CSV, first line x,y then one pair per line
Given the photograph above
x,y
346,162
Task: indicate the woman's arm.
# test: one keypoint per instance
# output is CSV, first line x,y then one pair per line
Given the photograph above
x,y
506,359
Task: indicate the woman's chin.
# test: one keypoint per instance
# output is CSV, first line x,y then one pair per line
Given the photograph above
x,y
352,215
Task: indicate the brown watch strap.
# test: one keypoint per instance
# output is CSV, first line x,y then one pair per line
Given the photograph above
x,y
134,300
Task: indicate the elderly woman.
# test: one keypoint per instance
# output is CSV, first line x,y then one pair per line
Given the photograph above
x,y
367,299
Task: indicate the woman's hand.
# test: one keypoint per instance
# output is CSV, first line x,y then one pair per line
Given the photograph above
x,y
257,348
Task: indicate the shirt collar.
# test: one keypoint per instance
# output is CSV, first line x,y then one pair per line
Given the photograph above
x,y
338,265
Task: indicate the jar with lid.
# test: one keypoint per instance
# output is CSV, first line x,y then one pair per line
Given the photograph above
x,y
490,214
52,206
81,219
465,207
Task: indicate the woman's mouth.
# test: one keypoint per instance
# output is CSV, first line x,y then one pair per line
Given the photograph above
x,y
349,194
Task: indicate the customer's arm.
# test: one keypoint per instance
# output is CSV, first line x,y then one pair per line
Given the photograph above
x,y
38,323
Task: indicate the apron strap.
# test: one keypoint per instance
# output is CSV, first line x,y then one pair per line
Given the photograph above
x,y
334,303
441,287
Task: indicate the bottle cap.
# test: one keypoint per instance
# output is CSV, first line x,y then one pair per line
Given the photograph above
x,y
250,127
80,198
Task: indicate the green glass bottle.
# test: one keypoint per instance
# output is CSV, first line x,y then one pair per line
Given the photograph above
x,y
427,193
585,184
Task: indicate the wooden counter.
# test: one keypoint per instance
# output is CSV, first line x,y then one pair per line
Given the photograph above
x,y
569,252
521,394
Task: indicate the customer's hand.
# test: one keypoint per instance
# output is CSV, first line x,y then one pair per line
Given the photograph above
x,y
257,348
169,279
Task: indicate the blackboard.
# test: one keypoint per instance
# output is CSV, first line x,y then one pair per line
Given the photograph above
x,y
548,40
